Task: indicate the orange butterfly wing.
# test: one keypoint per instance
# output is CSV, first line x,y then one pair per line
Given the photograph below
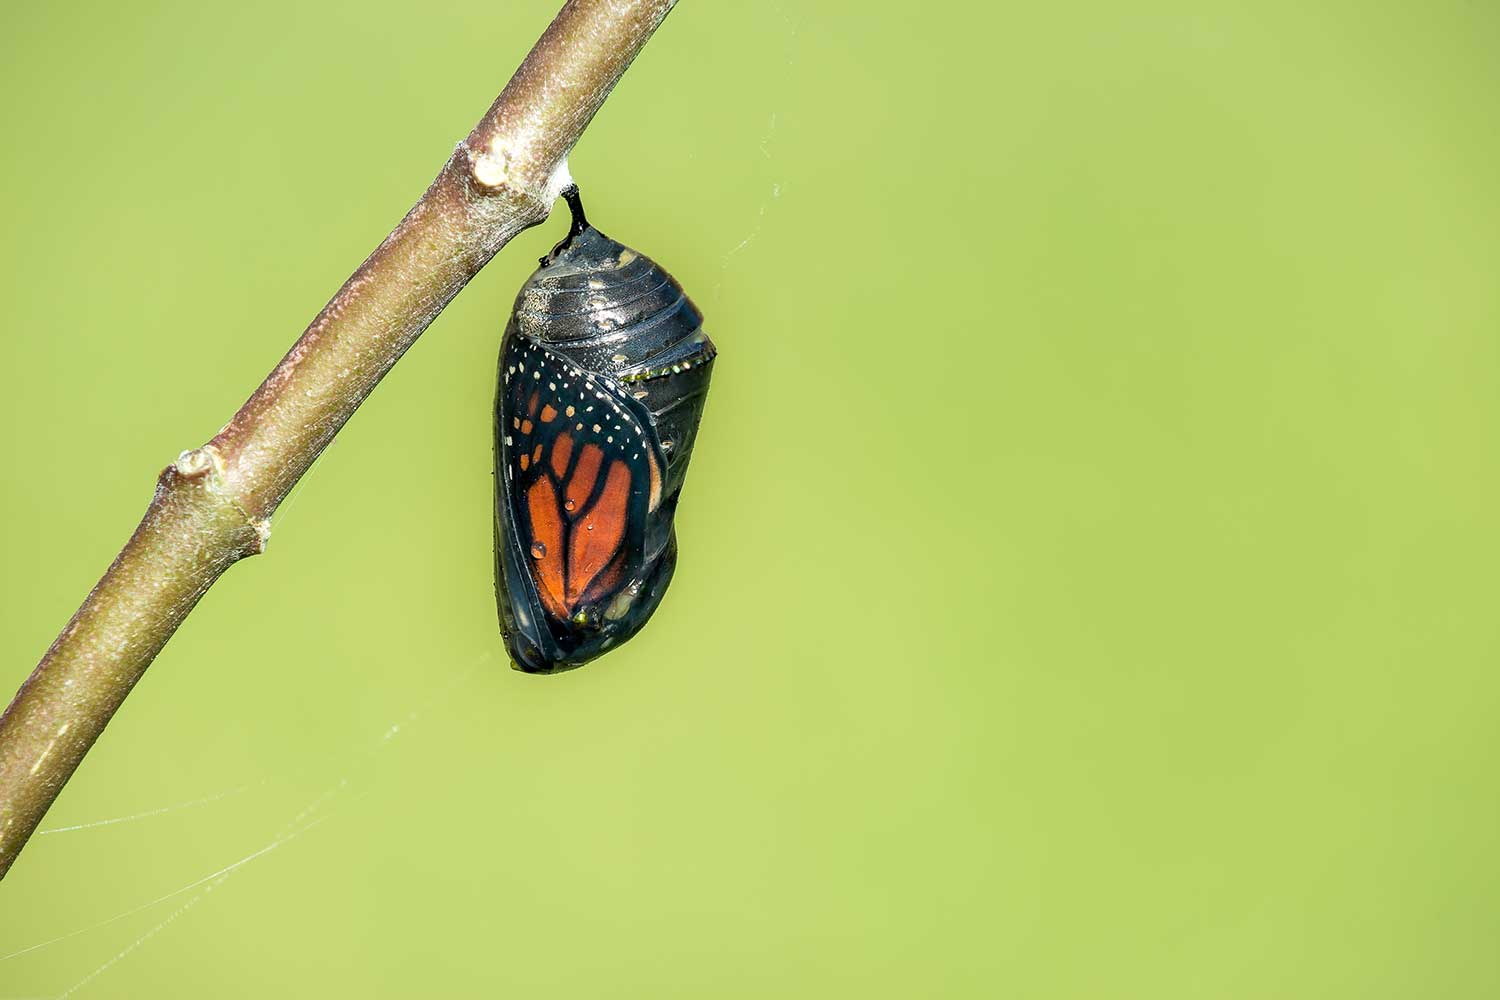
x,y
580,477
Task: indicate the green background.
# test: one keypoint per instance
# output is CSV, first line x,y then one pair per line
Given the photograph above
x,y
1088,563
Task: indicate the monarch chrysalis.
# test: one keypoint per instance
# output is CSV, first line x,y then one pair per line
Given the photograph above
x,y
603,374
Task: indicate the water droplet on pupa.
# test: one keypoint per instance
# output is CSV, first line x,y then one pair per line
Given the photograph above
x,y
538,550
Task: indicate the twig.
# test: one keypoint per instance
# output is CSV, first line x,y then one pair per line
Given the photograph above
x,y
213,505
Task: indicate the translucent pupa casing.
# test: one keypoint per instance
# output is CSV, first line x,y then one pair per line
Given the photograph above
x,y
603,375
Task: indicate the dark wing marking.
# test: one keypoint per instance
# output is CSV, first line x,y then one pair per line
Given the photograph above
x,y
580,477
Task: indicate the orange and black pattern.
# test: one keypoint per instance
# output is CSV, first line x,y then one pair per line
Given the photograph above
x,y
602,378
582,474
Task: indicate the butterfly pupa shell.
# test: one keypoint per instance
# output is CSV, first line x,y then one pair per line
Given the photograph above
x,y
603,374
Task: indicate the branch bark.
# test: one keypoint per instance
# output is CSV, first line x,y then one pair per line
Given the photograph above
x,y
213,506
